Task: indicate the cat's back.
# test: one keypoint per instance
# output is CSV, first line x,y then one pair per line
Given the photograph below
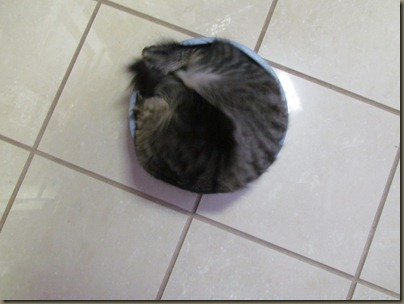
x,y
228,119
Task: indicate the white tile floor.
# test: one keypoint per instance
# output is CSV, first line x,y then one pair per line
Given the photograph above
x,y
81,219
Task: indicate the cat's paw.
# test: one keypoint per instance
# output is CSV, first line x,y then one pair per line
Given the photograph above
x,y
136,112
150,113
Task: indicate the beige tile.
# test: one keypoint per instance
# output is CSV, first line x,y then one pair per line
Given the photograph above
x,y
237,20
12,160
214,264
365,293
38,39
351,44
319,198
90,124
382,265
69,236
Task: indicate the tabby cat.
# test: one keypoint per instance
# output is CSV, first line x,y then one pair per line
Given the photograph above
x,y
208,118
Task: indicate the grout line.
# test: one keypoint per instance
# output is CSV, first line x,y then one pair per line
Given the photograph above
x,y
379,288
15,143
256,49
265,26
151,19
334,88
197,202
45,122
141,194
191,215
178,248
66,76
174,258
168,205
15,191
272,246
374,224
111,182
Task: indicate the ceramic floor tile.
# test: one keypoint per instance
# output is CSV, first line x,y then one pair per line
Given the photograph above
x,y
12,160
382,265
232,19
38,39
351,44
90,124
214,264
320,197
365,293
69,236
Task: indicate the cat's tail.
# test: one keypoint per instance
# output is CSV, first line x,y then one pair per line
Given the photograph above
x,y
144,79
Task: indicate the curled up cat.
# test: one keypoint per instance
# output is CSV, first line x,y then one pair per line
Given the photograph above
x,y
209,119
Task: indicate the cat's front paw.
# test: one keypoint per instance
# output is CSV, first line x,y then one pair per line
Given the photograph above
x,y
149,114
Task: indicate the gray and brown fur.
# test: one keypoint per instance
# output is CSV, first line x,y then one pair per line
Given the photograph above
x,y
208,118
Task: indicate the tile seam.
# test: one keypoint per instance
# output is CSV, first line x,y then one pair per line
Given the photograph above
x,y
15,143
186,212
111,182
16,190
193,215
198,201
374,225
117,185
302,75
174,258
379,288
179,29
162,203
45,122
178,249
151,18
335,88
292,254
265,26
66,75
273,246
138,193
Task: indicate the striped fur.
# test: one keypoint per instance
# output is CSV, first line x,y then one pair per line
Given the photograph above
x,y
208,118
